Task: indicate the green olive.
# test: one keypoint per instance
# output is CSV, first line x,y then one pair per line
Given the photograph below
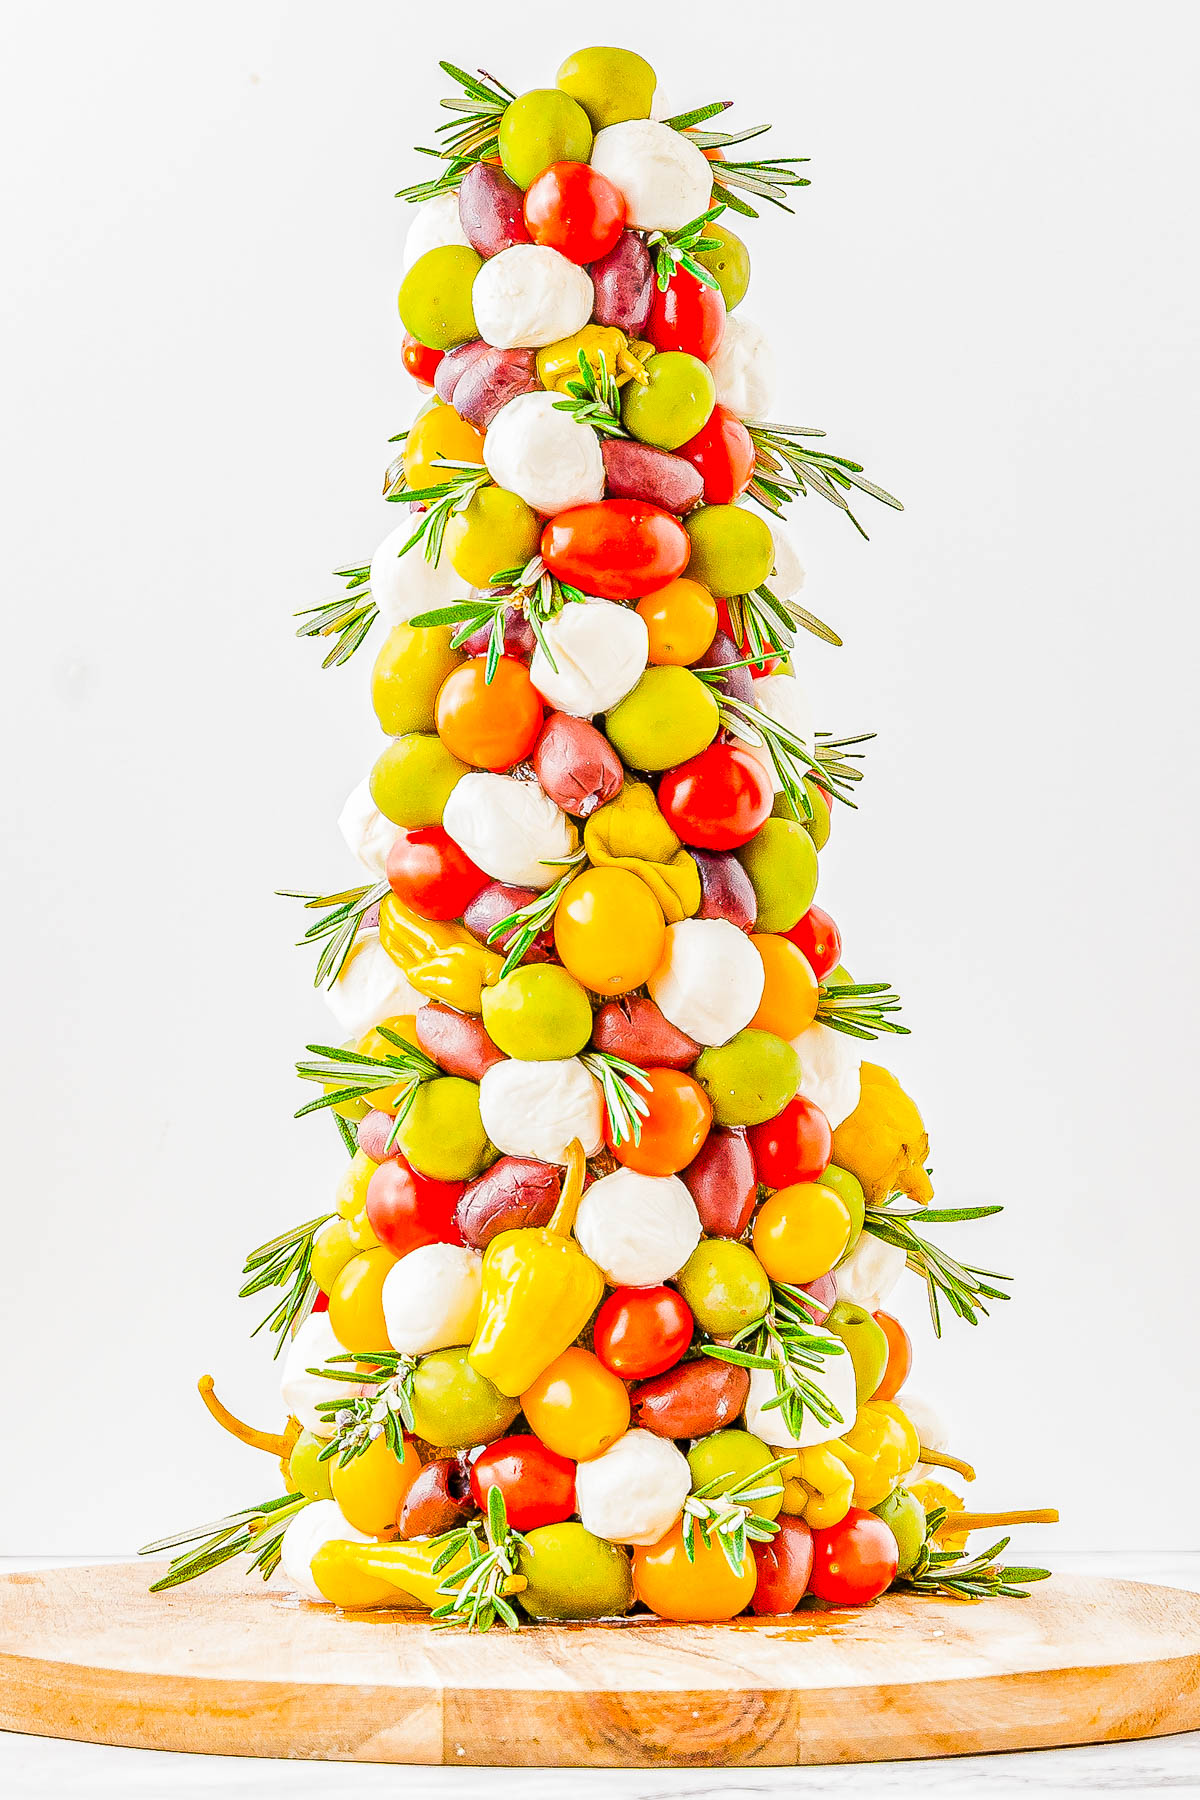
x,y
537,1013
818,826
442,1135
865,1341
730,263
454,1406
727,1457
610,85
671,406
306,1472
410,668
496,531
749,1079
733,551
781,862
572,1574
435,296
725,1285
669,716
413,779
539,128
904,1516
849,1190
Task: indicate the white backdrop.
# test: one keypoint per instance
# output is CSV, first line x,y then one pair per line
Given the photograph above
x,y
988,294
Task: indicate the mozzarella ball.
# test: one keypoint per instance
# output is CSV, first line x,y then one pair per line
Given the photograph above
x,y
787,577
311,1348
369,836
599,651
783,699
829,1071
404,586
536,1108
431,1298
744,369
639,1229
370,988
666,180
510,829
321,1522
544,455
835,1378
528,296
710,980
432,225
931,1426
634,1492
870,1272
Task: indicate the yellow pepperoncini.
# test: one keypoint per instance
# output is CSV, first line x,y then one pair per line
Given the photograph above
x,y
397,1574
630,833
604,346
275,1443
818,1486
880,1449
539,1291
443,962
884,1141
931,1494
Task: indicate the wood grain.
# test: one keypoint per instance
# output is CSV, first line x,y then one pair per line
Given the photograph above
x,y
232,1667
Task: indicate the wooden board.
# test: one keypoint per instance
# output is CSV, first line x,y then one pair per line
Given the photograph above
x,y
228,1666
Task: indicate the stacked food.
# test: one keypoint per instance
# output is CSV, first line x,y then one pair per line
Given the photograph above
x,y
597,1321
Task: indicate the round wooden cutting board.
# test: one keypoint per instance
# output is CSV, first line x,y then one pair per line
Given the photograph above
x,y
227,1665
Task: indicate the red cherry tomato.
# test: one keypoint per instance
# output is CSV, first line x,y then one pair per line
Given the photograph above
x,y
784,1566
537,1483
855,1561
718,800
642,1331
899,1361
406,1210
687,315
819,938
796,1145
575,210
723,452
616,549
421,360
427,871
321,1303
767,665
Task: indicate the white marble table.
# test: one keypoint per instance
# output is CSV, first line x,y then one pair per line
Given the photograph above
x,y
49,1769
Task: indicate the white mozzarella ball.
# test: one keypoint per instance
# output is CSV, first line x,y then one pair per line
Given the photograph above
x,y
431,1298
321,1522
536,1108
666,180
634,1492
787,577
639,1229
369,836
830,1062
870,1272
599,651
510,829
370,988
432,225
544,455
530,295
783,699
710,980
932,1428
744,369
311,1348
834,1378
402,587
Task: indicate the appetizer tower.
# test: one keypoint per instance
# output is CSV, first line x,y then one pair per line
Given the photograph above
x,y
595,1319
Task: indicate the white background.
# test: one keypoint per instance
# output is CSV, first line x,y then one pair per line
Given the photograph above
x,y
988,294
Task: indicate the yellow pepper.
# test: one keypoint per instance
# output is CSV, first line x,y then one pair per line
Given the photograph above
x,y
275,1443
884,1141
606,345
818,1486
931,1494
630,833
356,1575
539,1291
880,1449
443,962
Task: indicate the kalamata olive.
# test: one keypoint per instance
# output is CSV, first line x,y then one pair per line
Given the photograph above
x,y
490,381
578,767
823,1293
499,901
454,365
736,686
691,1399
633,1027
624,285
722,1182
639,472
726,891
491,210
373,1133
456,1041
438,1499
515,1192
519,640
370,919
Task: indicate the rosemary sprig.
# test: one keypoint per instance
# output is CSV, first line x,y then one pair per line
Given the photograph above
x,y
963,1287
387,1413
256,1531
347,620
786,1342
963,1577
785,468
594,398
349,1074
838,758
532,589
768,179
535,915
346,1132
475,1594
395,481
766,625
860,1009
468,139
285,1262
344,914
730,1517
790,756
442,502
618,1079
682,248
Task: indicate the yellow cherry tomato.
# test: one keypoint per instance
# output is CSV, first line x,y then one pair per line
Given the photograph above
x,y
801,1232
791,993
372,1044
371,1488
333,1247
439,433
350,1196
701,1591
577,1406
609,930
681,619
355,1302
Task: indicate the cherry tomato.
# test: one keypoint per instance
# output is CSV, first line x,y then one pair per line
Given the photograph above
x,y
616,549
538,1485
791,995
794,1146
575,210
356,1303
723,452
718,800
421,360
819,938
321,1303
609,930
673,1128
687,315
681,620
703,1590
766,665
899,1362
428,871
439,435
492,724
406,1210
577,1406
855,1561
784,1566
372,1487
801,1232
642,1331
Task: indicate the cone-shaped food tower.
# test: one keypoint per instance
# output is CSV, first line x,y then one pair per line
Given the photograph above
x,y
595,1318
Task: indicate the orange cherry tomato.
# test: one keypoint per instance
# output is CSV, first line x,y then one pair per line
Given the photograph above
x,y
702,1591
616,549
490,724
791,993
899,1362
801,1232
356,1303
674,1128
577,1406
439,433
681,619
609,930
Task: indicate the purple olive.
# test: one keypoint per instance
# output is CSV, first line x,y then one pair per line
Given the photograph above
x,y
624,285
491,210
514,1193
438,1499
723,1183
576,765
822,1292
726,891
633,1027
691,1399
454,366
639,472
519,641
490,381
373,1134
456,1041
499,901
736,686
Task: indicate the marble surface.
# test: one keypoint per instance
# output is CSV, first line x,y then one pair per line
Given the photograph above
x,y
48,1769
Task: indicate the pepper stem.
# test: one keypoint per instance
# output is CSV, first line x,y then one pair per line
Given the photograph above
x,y
938,1459
983,1521
275,1443
563,1217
